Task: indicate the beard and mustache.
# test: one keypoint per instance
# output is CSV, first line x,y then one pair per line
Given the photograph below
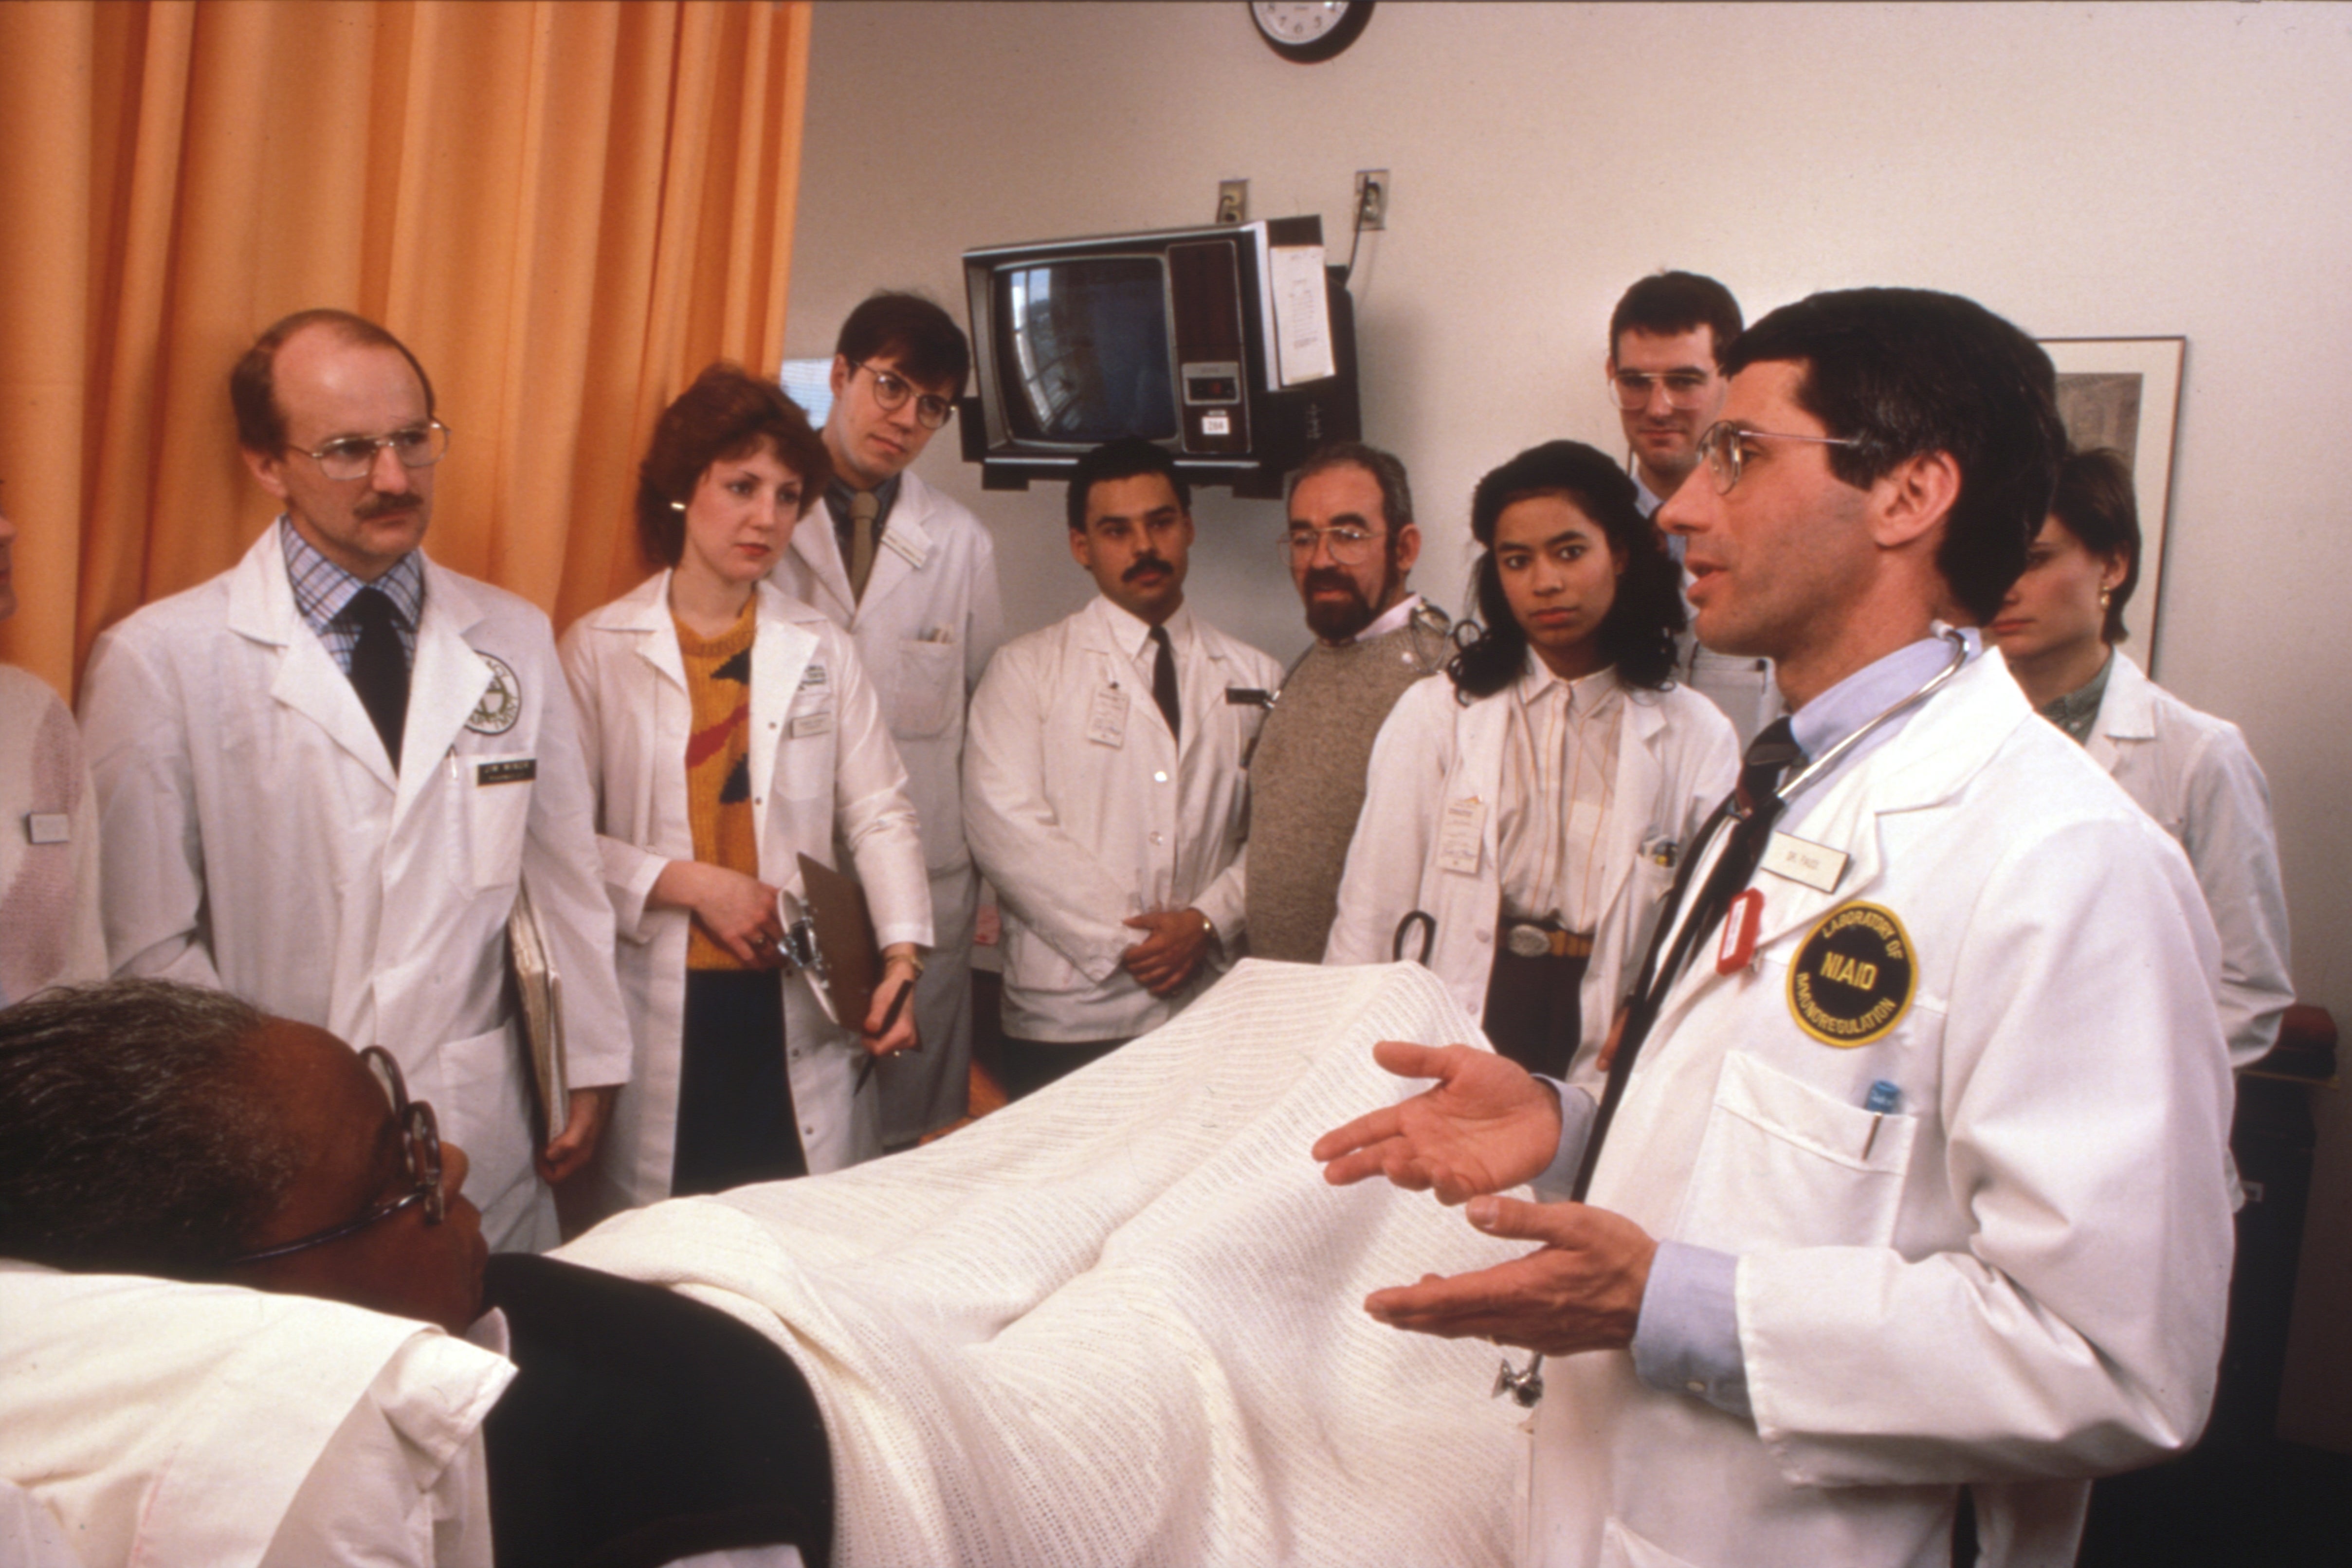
x,y
1338,620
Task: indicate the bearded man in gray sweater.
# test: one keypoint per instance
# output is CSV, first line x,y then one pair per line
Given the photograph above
x,y
1351,545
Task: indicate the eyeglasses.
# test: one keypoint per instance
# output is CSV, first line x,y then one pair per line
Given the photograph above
x,y
1685,388
352,457
1719,445
420,1148
891,391
1349,546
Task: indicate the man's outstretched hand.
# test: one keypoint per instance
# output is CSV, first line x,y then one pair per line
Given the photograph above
x,y
1581,1290
1486,1126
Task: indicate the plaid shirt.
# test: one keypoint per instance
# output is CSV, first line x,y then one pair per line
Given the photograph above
x,y
322,591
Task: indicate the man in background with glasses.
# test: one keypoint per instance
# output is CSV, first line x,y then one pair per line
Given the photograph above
x,y
911,576
326,775
1350,544
1666,342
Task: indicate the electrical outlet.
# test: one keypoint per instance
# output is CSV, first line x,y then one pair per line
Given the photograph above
x,y
1372,198
1233,201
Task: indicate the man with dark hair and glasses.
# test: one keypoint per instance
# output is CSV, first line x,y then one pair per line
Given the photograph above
x,y
911,576
148,1128
1350,543
326,776
1906,1199
1667,339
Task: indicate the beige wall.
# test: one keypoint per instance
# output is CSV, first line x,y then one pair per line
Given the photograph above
x,y
2087,170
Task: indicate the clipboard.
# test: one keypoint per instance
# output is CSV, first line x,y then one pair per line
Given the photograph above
x,y
829,937
538,999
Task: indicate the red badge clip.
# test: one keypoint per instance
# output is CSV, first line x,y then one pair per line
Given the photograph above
x,y
1740,922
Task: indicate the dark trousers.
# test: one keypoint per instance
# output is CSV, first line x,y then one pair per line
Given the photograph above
x,y
1533,1015
735,1116
644,1427
1031,1065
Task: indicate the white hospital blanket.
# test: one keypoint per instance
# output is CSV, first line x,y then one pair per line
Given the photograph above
x,y
1121,1321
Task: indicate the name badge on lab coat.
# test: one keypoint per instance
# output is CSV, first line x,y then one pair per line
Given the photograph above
x,y
47,827
1458,836
1816,865
1107,719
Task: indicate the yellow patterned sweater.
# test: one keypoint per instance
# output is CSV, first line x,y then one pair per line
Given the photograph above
x,y
718,762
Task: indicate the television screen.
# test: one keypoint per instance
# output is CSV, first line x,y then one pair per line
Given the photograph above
x,y
1084,344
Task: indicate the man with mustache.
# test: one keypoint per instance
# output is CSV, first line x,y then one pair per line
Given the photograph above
x,y
1666,342
1350,544
325,776
1104,794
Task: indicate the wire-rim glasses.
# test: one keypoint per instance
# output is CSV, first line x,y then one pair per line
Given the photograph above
x,y
891,390
420,1147
353,456
1349,546
1719,445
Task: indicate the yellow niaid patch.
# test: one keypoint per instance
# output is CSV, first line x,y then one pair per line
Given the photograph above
x,y
1853,977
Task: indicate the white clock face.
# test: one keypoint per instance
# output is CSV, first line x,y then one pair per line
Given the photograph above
x,y
1299,21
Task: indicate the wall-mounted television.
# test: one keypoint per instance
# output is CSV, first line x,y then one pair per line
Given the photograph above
x,y
1234,346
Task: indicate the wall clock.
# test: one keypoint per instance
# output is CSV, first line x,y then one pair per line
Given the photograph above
x,y
1306,31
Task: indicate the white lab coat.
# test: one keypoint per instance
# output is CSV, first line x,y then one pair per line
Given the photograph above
x,y
255,838
49,928
1676,760
2192,772
2017,1277
930,618
821,763
1082,810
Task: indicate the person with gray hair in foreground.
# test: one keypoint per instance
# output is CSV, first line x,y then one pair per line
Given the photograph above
x,y
1112,1323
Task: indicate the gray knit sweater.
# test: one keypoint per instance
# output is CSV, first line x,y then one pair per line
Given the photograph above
x,y
1306,781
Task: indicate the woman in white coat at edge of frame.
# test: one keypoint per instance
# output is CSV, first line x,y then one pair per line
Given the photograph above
x,y
2191,771
1535,802
730,729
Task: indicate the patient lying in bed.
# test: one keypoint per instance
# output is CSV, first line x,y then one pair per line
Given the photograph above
x,y
1117,1322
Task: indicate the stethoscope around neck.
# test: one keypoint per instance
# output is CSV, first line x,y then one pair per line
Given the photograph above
x,y
1526,1388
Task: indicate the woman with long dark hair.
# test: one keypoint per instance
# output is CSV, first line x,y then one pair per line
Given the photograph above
x,y
2058,629
731,730
1534,803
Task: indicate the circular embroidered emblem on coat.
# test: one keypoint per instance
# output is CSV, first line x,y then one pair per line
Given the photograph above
x,y
1853,978
501,702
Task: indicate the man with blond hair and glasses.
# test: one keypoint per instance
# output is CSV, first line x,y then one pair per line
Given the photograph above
x,y
1350,543
1667,339
326,776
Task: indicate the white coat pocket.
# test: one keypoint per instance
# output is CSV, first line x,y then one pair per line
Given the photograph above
x,y
1784,1165
926,688
497,792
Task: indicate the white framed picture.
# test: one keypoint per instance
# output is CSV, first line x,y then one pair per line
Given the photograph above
x,y
2124,393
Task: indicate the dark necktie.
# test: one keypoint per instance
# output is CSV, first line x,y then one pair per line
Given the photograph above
x,y
1163,683
379,666
1754,805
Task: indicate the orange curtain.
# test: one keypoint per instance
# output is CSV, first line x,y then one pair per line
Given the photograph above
x,y
565,207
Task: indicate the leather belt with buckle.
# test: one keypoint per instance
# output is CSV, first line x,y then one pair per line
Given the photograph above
x,y
1534,941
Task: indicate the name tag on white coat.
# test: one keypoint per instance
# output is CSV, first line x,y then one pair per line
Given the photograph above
x,y
1816,865
1459,835
47,827
1106,718
817,723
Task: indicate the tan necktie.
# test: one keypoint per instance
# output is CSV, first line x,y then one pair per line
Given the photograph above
x,y
863,506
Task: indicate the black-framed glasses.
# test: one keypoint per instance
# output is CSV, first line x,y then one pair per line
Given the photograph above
x,y
891,390
352,457
420,1148
1349,546
1686,389
1719,445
